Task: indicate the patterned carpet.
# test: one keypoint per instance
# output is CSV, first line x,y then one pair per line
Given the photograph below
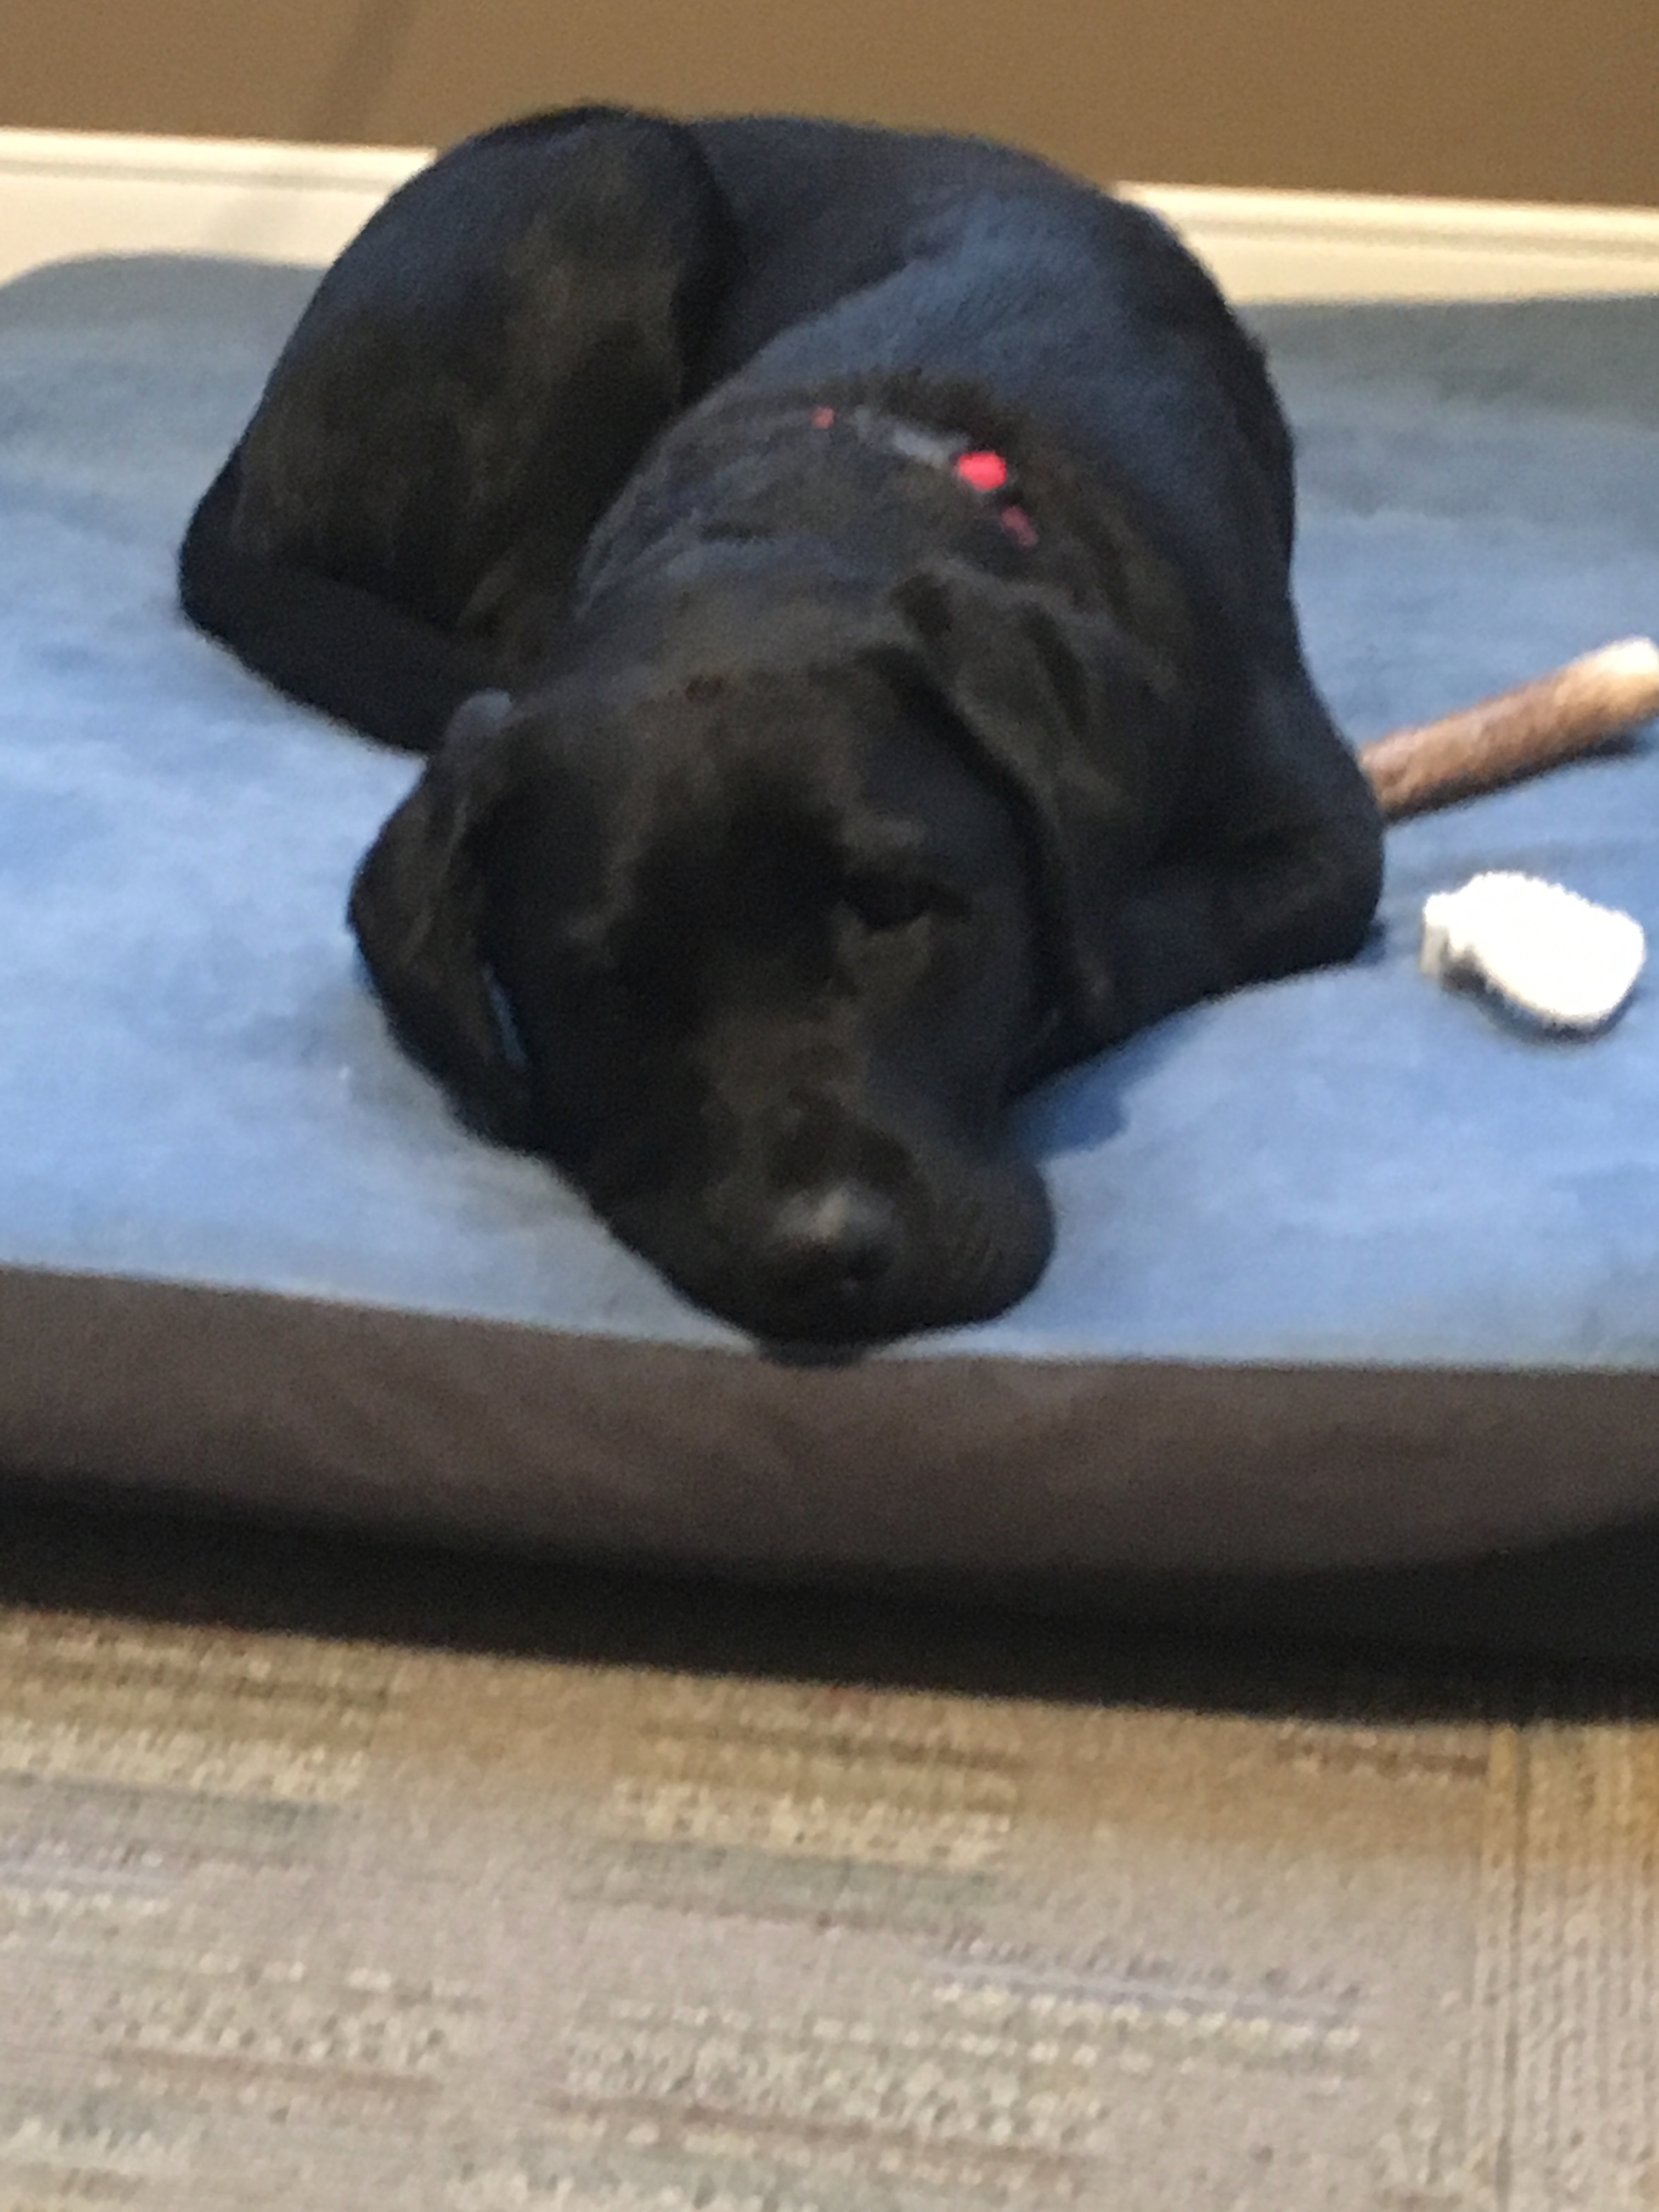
x,y
339,1878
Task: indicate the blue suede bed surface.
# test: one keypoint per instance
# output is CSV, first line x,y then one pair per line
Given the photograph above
x,y
1352,1167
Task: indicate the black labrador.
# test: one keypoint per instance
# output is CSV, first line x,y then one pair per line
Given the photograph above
x,y
840,579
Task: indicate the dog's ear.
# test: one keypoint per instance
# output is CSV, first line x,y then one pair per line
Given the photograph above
x,y
1080,724
417,909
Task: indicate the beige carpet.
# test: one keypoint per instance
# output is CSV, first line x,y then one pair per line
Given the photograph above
x,y
337,1878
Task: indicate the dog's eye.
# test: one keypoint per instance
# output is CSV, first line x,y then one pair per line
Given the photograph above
x,y
889,902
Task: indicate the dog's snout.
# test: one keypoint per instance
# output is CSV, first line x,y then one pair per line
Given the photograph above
x,y
841,1237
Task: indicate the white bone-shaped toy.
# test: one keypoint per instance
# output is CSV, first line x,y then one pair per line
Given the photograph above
x,y
1544,952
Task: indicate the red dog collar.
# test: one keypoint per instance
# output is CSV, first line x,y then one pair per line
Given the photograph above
x,y
981,470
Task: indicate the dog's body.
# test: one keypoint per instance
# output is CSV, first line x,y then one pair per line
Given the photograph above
x,y
871,556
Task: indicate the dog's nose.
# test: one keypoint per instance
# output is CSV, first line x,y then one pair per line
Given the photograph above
x,y
843,1237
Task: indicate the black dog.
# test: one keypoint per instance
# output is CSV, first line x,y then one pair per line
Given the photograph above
x,y
842,579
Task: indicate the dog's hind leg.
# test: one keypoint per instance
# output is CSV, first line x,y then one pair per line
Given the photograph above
x,y
331,644
471,384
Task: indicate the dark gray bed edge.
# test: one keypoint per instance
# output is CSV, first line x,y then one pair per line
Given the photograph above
x,y
592,1448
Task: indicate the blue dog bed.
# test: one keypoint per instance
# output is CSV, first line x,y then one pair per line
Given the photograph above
x,y
1349,1274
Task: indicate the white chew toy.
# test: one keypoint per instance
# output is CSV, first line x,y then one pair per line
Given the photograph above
x,y
1548,952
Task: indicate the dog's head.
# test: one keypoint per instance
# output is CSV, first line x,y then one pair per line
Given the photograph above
x,y
759,956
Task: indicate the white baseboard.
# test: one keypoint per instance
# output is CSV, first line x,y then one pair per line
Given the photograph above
x,y
65,193
1330,245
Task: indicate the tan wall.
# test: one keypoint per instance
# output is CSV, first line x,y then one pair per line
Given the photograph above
x,y
1509,98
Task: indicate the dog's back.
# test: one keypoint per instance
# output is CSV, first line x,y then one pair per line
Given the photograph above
x,y
655,264
872,250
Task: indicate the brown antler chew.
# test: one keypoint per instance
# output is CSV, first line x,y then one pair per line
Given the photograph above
x,y
1518,732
